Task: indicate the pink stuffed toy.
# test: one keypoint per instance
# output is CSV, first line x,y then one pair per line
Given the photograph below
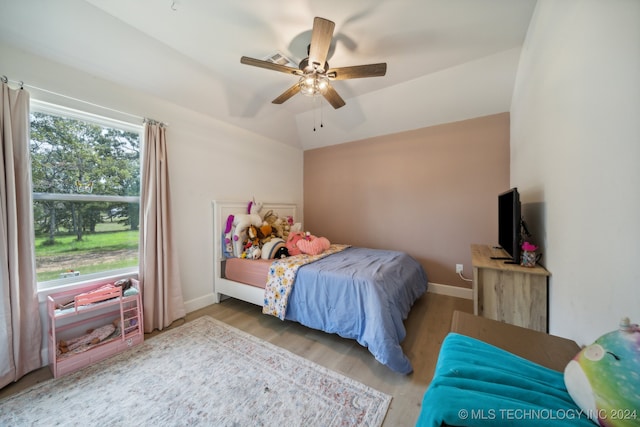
x,y
292,243
306,243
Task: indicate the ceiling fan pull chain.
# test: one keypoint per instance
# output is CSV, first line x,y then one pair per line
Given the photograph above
x,y
321,115
314,112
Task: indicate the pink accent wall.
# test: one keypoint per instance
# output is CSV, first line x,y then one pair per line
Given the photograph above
x,y
430,192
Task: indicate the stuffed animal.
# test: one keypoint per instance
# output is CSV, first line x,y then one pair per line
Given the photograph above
x,y
281,227
242,221
282,252
239,239
270,217
252,252
272,249
252,245
252,235
295,228
313,245
277,224
256,252
265,233
306,243
292,243
290,226
227,237
604,378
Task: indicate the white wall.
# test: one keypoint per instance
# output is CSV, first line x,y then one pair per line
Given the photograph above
x,y
575,149
208,159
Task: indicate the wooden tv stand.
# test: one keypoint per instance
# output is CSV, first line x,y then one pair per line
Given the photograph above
x,y
509,292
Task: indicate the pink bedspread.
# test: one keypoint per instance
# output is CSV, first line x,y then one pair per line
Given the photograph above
x,y
252,272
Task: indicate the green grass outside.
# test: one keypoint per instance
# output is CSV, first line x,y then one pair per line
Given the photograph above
x,y
106,240
101,242
53,275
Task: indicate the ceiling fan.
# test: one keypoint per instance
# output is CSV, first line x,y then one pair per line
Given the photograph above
x,y
314,72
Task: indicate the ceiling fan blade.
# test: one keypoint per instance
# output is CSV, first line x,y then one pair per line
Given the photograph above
x,y
287,94
358,71
320,41
334,99
270,66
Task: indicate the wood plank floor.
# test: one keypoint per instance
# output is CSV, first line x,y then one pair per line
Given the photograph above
x,y
427,325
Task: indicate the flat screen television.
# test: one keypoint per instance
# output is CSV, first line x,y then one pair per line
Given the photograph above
x,y
509,220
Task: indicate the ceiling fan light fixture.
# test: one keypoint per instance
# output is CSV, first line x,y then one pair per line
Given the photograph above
x,y
314,84
313,72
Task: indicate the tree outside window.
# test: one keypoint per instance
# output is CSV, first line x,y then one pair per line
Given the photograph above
x,y
86,188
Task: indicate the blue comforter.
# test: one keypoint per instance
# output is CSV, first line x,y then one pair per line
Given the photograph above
x,y
477,384
362,294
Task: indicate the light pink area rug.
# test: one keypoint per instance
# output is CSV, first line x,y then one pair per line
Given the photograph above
x,y
202,373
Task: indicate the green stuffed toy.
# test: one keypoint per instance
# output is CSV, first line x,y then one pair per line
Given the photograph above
x,y
604,378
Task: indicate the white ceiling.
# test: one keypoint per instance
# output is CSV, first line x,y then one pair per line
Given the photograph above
x,y
188,52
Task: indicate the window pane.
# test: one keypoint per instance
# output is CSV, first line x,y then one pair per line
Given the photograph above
x,y
77,235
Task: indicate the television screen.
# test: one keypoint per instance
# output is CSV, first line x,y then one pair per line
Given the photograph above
x,y
509,223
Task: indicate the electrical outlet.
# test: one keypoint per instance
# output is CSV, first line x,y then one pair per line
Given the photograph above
x,y
459,268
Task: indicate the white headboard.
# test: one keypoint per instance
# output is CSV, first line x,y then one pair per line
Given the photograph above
x,y
221,211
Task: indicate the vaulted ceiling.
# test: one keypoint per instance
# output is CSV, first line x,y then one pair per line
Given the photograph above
x,y
447,59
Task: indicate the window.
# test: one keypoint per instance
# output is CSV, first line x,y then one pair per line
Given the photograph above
x,y
86,195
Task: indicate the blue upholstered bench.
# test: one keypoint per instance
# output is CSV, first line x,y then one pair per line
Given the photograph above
x,y
477,383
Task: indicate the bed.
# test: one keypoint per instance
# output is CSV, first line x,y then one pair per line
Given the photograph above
x,y
358,293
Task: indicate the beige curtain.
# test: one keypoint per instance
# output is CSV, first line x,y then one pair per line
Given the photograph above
x,y
20,324
159,275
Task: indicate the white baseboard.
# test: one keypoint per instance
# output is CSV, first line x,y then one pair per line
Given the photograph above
x,y
436,288
452,291
200,302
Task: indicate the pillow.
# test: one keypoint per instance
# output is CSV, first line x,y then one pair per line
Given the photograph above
x,y
270,249
313,245
603,379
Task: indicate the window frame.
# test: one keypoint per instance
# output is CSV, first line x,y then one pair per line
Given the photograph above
x,y
101,120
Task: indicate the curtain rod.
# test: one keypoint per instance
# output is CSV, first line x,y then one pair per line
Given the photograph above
x,y
155,122
5,79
